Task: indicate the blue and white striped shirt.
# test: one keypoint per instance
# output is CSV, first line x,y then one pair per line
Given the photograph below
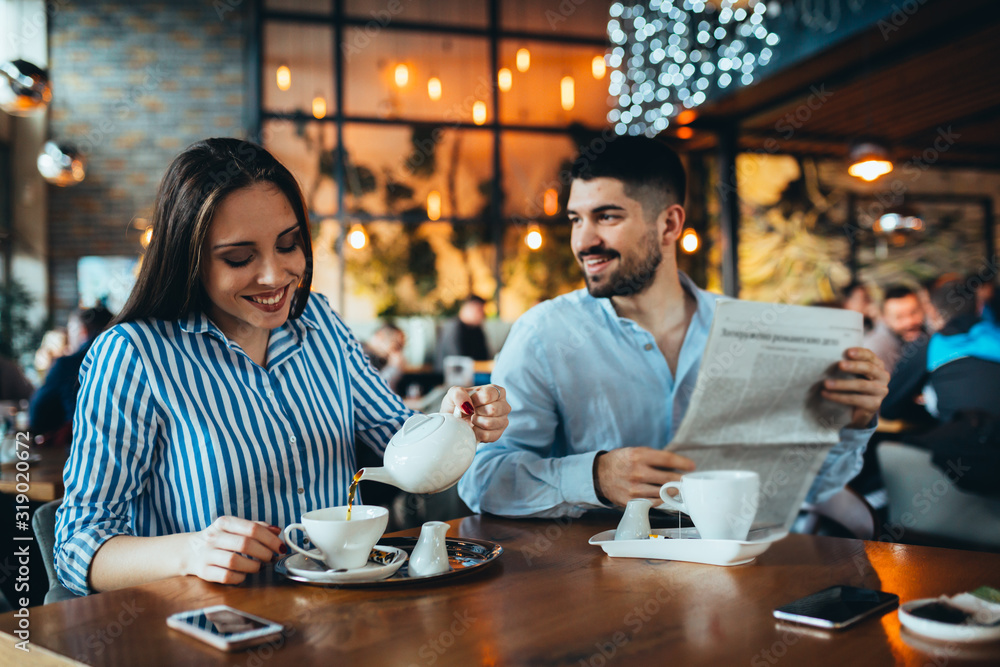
x,y
176,426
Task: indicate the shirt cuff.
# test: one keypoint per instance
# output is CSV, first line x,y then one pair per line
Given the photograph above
x,y
75,556
576,481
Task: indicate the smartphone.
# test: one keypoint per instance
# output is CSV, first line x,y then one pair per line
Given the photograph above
x,y
837,607
226,628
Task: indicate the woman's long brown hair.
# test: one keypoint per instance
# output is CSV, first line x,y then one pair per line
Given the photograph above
x,y
169,283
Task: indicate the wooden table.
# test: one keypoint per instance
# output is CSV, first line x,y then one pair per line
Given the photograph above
x,y
552,599
45,477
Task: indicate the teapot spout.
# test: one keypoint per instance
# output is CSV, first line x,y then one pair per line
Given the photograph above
x,y
377,475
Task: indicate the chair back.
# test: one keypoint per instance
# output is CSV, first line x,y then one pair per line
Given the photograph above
x,y
847,509
44,525
923,499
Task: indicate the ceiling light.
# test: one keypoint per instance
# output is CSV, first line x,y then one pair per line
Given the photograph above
x,y
869,160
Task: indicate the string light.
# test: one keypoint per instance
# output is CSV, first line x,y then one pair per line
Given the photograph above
x,y
402,75
319,108
357,237
567,93
283,77
434,88
433,205
598,67
479,112
505,79
669,56
522,59
690,241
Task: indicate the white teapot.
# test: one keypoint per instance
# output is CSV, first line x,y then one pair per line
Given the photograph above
x,y
429,454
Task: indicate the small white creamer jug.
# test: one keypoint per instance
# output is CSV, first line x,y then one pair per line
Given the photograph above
x,y
430,556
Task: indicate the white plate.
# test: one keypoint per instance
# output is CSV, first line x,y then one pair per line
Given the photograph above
x,y
303,566
686,546
948,632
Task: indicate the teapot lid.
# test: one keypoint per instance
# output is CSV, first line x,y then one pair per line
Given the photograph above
x,y
418,428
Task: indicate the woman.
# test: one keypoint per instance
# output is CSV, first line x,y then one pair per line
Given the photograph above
x,y
225,400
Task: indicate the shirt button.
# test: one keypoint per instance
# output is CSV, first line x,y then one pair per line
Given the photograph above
x,y
301,490
648,346
270,394
292,440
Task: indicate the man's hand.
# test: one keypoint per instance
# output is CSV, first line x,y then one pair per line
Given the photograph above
x,y
864,393
638,472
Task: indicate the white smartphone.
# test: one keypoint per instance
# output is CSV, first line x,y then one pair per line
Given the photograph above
x,y
837,607
226,628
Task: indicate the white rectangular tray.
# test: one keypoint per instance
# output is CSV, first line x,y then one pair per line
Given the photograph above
x,y
685,545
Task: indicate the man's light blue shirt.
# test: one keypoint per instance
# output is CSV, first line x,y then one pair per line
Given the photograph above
x,y
581,380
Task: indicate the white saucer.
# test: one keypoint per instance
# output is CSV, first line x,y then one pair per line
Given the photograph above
x,y
948,632
303,566
684,545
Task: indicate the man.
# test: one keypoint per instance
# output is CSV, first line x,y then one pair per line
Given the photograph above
x,y
385,352
957,373
53,404
902,322
599,379
464,334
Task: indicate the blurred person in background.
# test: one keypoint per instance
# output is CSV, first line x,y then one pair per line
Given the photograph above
x,y
14,386
855,296
955,374
902,323
464,335
52,407
385,351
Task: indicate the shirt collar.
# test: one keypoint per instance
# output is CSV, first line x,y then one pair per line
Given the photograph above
x,y
198,322
705,303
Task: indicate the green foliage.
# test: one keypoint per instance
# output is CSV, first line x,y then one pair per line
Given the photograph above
x,y
394,255
20,339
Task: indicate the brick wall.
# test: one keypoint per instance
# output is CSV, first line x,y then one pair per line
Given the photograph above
x,y
133,84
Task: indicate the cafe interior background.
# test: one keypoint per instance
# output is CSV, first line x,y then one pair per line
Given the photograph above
x,y
432,141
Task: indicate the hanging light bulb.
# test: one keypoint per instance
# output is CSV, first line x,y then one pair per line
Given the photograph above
x,y
147,236
684,133
505,79
523,59
550,202
357,237
479,112
690,241
533,239
433,205
283,77
402,75
598,67
61,164
869,160
319,107
567,94
434,88
24,88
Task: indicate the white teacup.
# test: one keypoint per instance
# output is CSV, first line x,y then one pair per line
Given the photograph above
x,y
340,544
721,503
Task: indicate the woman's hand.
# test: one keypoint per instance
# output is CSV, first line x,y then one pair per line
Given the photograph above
x,y
485,407
231,548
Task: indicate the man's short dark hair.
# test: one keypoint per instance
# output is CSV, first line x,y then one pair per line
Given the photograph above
x,y
897,292
651,171
953,298
476,299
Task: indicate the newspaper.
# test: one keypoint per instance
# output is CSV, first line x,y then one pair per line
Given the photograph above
x,y
757,406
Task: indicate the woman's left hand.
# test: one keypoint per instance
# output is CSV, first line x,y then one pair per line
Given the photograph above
x,y
485,407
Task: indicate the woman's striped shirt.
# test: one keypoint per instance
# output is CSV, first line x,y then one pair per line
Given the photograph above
x,y
176,426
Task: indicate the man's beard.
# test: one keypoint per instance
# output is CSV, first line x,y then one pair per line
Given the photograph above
x,y
632,276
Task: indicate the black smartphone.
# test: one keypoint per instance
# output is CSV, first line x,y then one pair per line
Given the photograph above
x,y
838,607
